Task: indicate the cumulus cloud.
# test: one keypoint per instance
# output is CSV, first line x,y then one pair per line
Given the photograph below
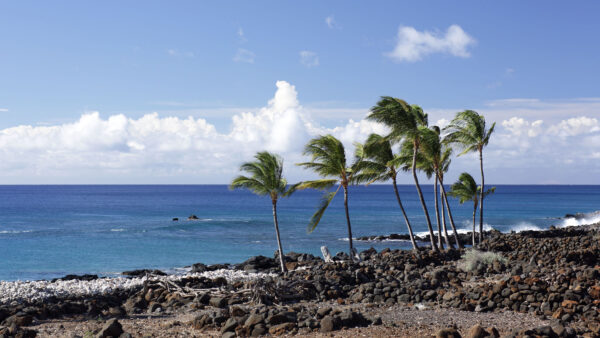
x,y
520,127
309,59
412,45
155,146
575,126
331,23
244,55
167,149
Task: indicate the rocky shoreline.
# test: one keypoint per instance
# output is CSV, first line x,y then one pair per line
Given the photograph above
x,y
552,278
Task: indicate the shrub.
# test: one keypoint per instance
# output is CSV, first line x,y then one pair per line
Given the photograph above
x,y
474,259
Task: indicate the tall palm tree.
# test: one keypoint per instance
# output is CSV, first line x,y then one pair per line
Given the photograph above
x,y
465,189
469,131
406,123
430,162
266,178
379,164
328,159
443,168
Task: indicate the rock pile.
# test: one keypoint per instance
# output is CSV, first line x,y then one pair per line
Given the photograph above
x,y
552,274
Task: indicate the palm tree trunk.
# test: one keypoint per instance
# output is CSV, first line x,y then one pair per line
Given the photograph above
x,y
410,232
351,253
437,214
414,173
481,196
283,269
445,227
474,212
450,217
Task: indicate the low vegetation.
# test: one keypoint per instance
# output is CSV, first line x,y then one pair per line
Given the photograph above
x,y
474,260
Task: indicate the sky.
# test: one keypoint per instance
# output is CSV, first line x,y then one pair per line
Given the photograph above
x,y
183,92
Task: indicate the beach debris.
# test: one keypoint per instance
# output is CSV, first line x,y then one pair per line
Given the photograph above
x,y
326,254
356,256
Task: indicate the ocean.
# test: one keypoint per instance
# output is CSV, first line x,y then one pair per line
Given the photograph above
x,y
49,231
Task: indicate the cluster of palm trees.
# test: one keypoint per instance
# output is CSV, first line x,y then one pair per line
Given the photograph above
x,y
421,148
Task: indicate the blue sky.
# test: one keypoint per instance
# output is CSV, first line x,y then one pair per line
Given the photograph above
x,y
212,61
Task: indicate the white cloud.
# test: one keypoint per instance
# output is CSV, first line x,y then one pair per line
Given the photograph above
x,y
241,36
442,122
331,23
154,146
520,127
3,110
309,59
575,126
244,55
412,45
169,149
176,53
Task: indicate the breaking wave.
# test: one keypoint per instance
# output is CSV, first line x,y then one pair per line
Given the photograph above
x,y
581,219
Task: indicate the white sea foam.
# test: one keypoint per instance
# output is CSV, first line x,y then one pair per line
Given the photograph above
x,y
117,230
40,290
345,239
486,227
15,231
525,226
591,218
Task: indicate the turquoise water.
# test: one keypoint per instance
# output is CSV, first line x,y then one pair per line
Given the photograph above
x,y
50,231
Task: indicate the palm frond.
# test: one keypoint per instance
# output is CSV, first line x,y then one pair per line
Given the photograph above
x,y
465,189
323,204
243,182
265,175
468,131
328,157
316,184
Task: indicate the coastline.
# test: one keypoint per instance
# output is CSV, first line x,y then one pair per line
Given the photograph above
x,y
529,282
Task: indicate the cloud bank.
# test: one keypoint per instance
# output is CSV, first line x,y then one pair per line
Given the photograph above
x,y
525,148
412,45
155,146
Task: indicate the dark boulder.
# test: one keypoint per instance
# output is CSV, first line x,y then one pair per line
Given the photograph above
x,y
76,277
112,328
142,273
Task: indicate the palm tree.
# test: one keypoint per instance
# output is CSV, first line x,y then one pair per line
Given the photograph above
x,y
469,131
406,123
328,159
266,178
465,189
443,168
379,164
429,164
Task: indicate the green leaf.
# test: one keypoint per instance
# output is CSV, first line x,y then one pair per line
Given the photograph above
x,y
323,204
317,184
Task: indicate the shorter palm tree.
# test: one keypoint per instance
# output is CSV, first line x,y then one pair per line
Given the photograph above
x,y
328,159
465,189
379,164
469,131
266,178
